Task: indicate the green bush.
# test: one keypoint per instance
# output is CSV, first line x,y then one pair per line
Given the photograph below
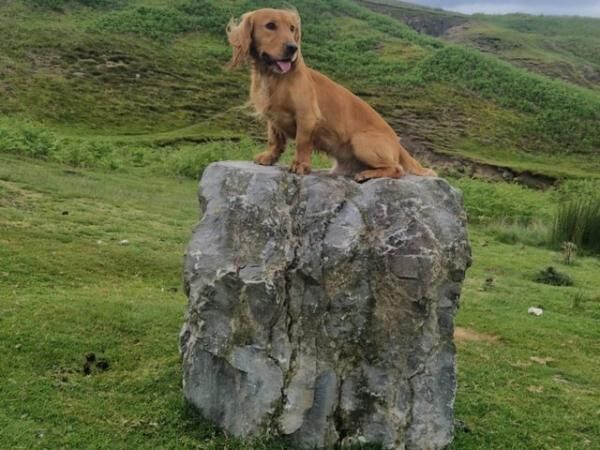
x,y
552,277
28,140
55,5
147,21
79,153
35,141
209,15
578,221
577,188
58,5
190,161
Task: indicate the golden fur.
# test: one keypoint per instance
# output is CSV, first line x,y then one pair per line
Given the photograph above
x,y
303,104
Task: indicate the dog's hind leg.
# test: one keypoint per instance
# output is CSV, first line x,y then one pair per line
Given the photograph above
x,y
379,153
276,146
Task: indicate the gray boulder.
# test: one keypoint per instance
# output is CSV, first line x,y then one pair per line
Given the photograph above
x,y
322,310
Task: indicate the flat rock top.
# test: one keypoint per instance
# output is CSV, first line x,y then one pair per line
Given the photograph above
x,y
407,182
248,166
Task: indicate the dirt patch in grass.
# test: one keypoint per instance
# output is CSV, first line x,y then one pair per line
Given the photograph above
x,y
468,335
461,166
13,196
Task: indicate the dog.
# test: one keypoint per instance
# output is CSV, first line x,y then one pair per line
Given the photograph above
x,y
302,104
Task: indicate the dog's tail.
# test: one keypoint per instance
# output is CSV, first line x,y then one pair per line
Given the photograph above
x,y
411,165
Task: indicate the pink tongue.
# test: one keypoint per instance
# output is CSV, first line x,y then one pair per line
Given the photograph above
x,y
284,66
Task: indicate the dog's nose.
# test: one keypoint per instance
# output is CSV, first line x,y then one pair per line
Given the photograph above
x,y
290,49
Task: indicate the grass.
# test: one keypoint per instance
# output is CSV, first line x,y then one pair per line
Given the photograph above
x,y
564,48
578,221
155,75
68,288
507,399
504,202
110,110
509,231
561,48
548,101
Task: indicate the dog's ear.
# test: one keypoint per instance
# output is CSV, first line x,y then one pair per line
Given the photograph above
x,y
298,22
239,35
298,30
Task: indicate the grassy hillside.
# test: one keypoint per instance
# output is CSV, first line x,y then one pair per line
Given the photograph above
x,y
121,83
563,48
110,109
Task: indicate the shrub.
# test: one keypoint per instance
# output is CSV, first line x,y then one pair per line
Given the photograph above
x,y
578,221
58,5
75,155
190,161
55,5
147,21
210,16
28,140
569,189
80,153
554,278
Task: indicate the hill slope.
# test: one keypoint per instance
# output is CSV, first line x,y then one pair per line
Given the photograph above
x,y
90,260
564,48
133,82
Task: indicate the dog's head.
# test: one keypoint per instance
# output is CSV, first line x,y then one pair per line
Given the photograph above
x,y
271,37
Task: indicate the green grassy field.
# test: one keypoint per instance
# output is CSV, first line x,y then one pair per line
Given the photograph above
x,y
110,110
69,287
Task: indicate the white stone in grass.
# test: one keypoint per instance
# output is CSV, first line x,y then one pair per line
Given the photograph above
x,y
535,311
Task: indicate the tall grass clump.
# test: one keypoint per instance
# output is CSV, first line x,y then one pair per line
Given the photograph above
x,y
534,233
578,221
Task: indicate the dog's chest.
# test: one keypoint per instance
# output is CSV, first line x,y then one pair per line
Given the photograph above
x,y
283,121
270,104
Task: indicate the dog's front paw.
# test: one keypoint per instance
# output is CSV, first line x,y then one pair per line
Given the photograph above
x,y
265,159
299,167
361,178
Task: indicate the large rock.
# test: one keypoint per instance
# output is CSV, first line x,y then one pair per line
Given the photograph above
x,y
321,309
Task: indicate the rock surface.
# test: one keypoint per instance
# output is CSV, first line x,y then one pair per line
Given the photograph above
x,y
322,310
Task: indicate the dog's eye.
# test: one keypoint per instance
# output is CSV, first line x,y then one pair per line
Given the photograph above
x,y
271,26
292,28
